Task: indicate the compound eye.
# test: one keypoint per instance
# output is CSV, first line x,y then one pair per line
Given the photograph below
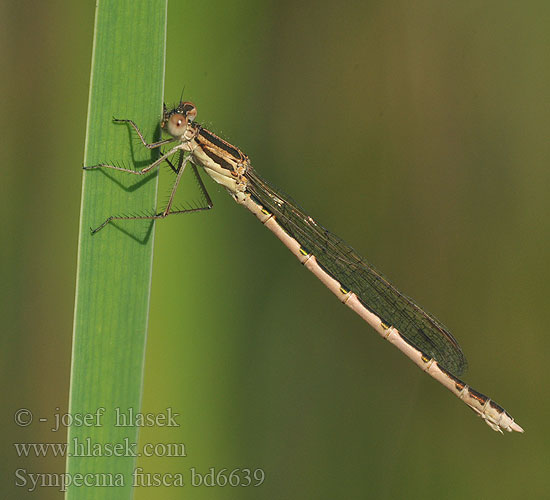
x,y
191,114
190,110
176,125
178,121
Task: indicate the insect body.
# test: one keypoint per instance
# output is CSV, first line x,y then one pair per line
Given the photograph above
x,y
355,282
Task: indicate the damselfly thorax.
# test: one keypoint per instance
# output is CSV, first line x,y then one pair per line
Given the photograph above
x,y
223,162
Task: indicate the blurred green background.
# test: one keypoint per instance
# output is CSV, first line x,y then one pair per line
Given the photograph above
x,y
418,132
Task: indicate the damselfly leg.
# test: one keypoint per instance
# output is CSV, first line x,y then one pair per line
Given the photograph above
x,y
178,170
153,145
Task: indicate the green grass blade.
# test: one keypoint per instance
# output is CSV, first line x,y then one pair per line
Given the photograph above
x,y
114,265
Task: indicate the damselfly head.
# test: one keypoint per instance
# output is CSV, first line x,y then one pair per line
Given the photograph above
x,y
175,121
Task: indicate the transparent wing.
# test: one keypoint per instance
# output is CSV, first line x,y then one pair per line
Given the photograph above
x,y
354,273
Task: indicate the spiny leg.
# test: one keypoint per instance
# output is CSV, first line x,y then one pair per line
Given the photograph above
x,y
209,203
182,162
202,187
144,170
171,165
161,215
143,141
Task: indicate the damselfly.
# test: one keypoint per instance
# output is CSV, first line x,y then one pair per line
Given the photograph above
x,y
349,276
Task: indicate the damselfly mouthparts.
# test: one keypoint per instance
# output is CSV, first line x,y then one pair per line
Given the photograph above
x,y
350,277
